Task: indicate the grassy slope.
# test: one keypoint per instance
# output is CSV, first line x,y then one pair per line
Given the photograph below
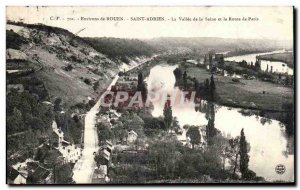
x,y
241,94
46,51
53,49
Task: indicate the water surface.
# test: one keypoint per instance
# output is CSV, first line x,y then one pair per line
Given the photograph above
x,y
267,139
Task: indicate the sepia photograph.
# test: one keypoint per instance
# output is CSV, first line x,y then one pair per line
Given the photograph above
x,y
150,95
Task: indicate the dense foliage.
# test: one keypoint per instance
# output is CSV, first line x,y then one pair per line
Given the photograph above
x,y
14,40
122,49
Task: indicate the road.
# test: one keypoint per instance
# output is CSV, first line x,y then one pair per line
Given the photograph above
x,y
84,168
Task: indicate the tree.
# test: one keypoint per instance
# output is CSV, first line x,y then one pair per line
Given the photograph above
x,y
243,63
271,71
142,86
31,139
212,87
153,126
194,134
257,65
244,157
96,85
104,132
221,62
234,151
100,160
196,87
37,124
287,80
211,131
288,118
15,122
166,157
168,117
120,132
140,81
206,87
135,123
57,104
210,59
267,69
185,80
63,174
69,67
178,74
175,125
87,81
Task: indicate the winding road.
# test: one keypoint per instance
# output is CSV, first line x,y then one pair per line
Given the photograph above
x,y
84,168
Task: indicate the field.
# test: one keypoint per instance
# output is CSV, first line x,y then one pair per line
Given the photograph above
x,y
246,93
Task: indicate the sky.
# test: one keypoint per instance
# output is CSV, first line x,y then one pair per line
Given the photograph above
x,y
268,22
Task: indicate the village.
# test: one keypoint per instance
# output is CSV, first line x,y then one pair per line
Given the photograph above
x,y
121,129
108,104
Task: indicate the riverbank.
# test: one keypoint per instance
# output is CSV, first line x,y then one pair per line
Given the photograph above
x,y
250,94
286,57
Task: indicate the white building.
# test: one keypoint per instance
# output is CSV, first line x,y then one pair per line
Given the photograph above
x,y
132,136
71,153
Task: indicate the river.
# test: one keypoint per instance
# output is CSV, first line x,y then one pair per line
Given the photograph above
x,y
267,139
279,67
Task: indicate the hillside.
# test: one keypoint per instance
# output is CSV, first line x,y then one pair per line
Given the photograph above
x,y
69,67
121,49
51,75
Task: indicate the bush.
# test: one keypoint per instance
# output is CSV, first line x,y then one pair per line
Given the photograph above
x,y
87,81
14,40
69,67
96,85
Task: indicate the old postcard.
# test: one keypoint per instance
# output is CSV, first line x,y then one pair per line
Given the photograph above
x,y
150,95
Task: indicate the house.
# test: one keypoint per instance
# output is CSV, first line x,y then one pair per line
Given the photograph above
x,y
103,118
71,153
192,61
22,168
40,175
132,136
58,132
100,172
14,177
114,115
106,154
108,146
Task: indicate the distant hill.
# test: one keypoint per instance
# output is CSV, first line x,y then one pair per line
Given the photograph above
x,y
203,45
121,49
